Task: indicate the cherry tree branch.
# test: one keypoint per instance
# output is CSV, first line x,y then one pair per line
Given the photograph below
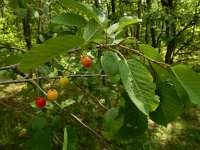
x,y
13,67
163,65
49,78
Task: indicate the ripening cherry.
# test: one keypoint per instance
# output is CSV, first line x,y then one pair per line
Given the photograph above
x,y
40,102
63,81
86,61
52,94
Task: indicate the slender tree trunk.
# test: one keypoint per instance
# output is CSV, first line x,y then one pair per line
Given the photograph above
x,y
170,31
153,34
26,27
97,3
139,16
147,32
147,22
113,6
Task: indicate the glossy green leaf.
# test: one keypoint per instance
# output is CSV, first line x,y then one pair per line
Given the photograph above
x,y
190,80
158,72
110,63
50,49
94,13
161,74
69,19
139,85
170,104
150,52
171,77
123,22
93,31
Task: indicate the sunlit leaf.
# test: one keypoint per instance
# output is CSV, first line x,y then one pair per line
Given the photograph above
x,y
50,49
190,80
69,19
94,13
123,22
139,85
93,31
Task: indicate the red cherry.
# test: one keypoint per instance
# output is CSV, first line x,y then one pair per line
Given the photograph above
x,y
40,102
86,61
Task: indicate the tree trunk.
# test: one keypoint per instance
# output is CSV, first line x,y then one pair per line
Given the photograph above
x,y
170,31
26,27
139,16
153,34
113,6
97,3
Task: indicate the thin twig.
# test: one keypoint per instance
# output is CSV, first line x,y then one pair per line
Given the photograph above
x,y
91,130
92,96
50,78
154,72
15,66
123,40
163,65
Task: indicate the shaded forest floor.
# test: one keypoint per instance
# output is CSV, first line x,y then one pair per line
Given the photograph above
x,y
181,134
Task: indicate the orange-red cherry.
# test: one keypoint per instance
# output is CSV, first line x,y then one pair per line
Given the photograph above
x,y
86,61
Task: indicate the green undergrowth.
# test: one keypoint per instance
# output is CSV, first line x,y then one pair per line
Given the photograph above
x,y
15,113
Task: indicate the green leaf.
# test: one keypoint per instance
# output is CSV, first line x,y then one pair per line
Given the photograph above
x,y
65,142
123,22
41,138
162,75
150,52
111,124
110,63
43,53
69,19
126,122
135,122
66,103
170,104
139,85
177,86
37,123
190,80
73,142
96,14
93,31
12,59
